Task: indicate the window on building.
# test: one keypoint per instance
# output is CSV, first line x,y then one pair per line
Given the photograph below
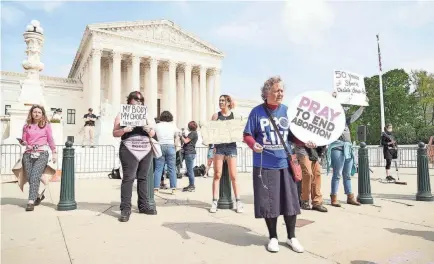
x,y
70,116
6,109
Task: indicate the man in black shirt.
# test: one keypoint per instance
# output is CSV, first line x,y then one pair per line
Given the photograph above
x,y
89,128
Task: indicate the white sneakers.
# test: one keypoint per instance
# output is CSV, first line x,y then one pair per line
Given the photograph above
x,y
273,245
213,209
295,245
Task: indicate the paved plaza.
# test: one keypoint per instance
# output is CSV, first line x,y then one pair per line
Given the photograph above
x,y
396,229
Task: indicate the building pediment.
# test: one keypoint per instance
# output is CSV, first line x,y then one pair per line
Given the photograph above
x,y
162,31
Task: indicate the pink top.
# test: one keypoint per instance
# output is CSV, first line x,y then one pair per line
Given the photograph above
x,y
34,135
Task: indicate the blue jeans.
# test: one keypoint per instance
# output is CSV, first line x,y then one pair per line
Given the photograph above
x,y
189,163
341,167
168,158
227,150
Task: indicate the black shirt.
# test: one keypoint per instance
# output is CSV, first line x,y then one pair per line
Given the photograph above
x,y
190,147
220,116
90,122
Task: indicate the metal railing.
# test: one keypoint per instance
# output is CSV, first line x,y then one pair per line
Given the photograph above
x,y
103,158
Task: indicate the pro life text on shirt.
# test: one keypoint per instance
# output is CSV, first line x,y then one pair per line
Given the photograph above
x,y
270,138
314,117
133,115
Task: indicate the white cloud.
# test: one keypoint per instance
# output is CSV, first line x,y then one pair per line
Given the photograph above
x,y
47,6
306,22
11,15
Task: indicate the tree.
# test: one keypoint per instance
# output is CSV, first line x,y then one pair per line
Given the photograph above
x,y
400,107
424,94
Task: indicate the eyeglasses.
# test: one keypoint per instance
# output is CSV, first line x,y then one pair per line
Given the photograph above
x,y
141,100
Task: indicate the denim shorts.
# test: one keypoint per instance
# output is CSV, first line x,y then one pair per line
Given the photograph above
x,y
228,150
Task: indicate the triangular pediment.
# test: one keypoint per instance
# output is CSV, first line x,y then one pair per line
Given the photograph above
x,y
162,31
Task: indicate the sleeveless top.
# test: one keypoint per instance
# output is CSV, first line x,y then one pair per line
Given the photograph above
x,y
137,142
220,116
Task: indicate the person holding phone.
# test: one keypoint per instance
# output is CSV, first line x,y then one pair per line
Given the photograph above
x,y
38,139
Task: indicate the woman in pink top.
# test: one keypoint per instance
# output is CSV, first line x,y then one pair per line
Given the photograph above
x,y
38,138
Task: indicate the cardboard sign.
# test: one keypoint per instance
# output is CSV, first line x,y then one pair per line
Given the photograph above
x,y
350,88
219,132
133,115
316,117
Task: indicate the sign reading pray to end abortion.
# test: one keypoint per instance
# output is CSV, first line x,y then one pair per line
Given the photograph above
x,y
316,117
133,115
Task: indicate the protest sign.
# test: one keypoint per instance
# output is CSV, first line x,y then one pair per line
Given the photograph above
x,y
219,132
350,88
133,115
316,117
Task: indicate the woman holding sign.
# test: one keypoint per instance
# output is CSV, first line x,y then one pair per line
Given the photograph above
x,y
135,153
274,188
226,151
340,156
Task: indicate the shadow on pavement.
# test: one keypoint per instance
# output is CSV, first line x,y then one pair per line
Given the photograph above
x,y
395,196
226,233
101,208
428,235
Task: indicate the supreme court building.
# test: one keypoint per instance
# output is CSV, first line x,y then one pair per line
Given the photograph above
x,y
174,70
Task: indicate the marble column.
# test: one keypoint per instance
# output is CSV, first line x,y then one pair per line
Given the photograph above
x,y
129,80
180,101
96,81
188,105
195,93
135,78
202,96
172,95
152,92
116,82
146,79
216,89
210,100
165,85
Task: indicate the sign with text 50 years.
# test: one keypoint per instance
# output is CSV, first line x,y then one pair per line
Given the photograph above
x,y
350,88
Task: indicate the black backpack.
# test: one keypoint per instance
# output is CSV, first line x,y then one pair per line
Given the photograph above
x,y
115,174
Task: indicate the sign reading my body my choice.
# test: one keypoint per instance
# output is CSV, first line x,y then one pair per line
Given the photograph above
x,y
316,117
133,115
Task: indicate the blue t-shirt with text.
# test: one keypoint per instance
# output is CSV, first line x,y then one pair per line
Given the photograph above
x,y
259,127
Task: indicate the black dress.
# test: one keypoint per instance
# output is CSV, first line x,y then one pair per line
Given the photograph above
x,y
389,151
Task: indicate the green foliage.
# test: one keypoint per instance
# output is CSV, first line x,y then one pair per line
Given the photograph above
x,y
424,133
408,112
406,135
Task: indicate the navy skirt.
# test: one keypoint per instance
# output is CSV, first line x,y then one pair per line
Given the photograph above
x,y
275,193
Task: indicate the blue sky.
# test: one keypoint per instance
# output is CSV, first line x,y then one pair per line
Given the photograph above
x,y
303,41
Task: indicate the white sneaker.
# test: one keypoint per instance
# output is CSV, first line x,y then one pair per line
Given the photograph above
x,y
273,245
295,245
213,208
240,207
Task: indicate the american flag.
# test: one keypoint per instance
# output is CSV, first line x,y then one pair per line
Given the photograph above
x,y
379,53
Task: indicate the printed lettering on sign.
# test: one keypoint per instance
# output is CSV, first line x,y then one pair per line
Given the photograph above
x,y
219,132
133,115
316,117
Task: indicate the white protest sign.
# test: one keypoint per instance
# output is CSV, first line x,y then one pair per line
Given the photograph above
x,y
219,132
350,88
133,115
316,117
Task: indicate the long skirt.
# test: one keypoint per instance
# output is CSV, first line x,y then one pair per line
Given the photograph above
x,y
275,193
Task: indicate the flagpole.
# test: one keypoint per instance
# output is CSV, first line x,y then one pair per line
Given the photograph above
x,y
381,85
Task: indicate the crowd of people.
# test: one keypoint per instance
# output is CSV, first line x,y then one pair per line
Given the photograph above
x,y
276,190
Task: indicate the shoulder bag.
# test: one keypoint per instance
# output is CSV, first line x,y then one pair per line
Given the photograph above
x,y
292,158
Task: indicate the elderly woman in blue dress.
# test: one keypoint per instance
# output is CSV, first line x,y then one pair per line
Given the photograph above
x,y
274,188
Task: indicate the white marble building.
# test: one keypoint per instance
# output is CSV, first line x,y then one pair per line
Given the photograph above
x,y
175,71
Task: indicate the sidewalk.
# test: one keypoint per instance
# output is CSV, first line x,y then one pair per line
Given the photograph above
x,y
396,229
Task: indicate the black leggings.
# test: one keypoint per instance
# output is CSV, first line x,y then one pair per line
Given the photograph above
x,y
388,164
290,221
